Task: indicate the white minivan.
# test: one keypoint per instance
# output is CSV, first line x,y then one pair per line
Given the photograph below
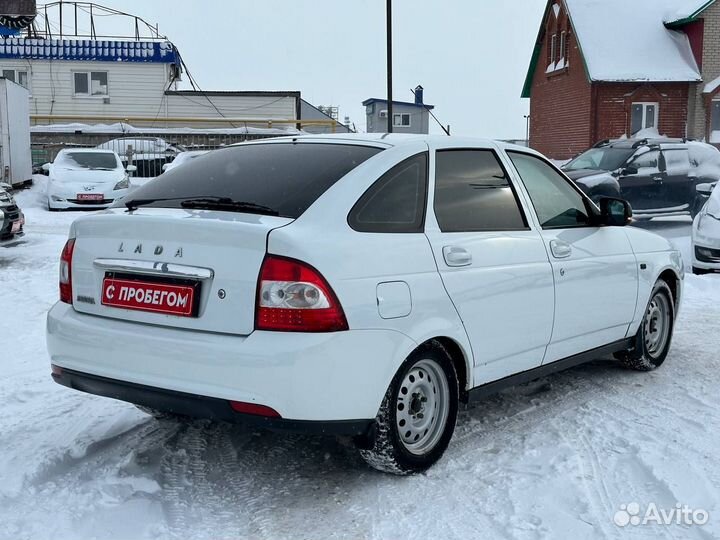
x,y
355,285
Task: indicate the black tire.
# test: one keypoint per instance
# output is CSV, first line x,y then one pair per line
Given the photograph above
x,y
646,354
700,271
390,451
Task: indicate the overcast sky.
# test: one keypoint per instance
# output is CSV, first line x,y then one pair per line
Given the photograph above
x,y
471,56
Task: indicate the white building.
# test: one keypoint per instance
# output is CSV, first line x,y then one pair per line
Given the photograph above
x,y
104,82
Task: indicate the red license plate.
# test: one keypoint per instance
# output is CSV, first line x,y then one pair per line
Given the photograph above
x,y
143,296
90,197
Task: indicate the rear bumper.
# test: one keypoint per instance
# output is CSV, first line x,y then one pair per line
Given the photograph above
x,y
305,377
200,406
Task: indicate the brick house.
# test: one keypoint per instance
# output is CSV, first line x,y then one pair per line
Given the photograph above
x,y
602,69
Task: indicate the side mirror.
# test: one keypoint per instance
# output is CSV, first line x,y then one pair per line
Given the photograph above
x,y
131,168
615,212
165,166
46,167
629,171
705,190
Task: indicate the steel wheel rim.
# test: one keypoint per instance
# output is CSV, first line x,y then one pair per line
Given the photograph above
x,y
422,407
657,325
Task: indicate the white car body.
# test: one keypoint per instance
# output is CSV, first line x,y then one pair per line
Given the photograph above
x,y
73,186
504,302
183,157
706,236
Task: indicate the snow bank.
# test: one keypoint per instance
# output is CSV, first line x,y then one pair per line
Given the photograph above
x,y
626,40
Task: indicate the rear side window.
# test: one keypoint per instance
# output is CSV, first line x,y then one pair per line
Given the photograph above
x,y
473,193
286,178
677,162
396,202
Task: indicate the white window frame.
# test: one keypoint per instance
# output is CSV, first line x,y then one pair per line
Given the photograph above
x,y
399,116
645,105
89,93
16,75
563,43
715,100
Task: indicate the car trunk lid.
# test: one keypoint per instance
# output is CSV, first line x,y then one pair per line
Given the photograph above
x,y
158,251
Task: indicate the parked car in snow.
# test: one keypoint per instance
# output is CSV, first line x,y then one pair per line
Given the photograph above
x,y
86,178
148,154
355,285
183,157
656,176
12,219
706,233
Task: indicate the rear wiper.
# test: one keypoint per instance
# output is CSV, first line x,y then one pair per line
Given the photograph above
x,y
209,202
225,203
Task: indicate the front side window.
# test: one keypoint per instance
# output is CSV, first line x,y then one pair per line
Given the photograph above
x,y
473,193
647,163
281,179
605,158
396,202
643,116
90,83
401,120
558,205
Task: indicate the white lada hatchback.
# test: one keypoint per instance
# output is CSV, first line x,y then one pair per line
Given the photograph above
x,y
355,285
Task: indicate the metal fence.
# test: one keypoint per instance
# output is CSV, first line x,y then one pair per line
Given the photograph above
x,y
148,151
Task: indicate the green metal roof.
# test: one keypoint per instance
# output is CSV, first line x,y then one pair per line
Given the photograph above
x,y
690,17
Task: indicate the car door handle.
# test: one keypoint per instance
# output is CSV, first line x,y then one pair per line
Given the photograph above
x,y
560,249
457,256
658,179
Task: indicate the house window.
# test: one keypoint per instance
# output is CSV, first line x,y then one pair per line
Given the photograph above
x,y
563,37
90,83
643,116
401,120
553,49
715,117
16,76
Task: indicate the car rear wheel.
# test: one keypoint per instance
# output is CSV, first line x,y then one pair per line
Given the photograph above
x,y
652,341
417,417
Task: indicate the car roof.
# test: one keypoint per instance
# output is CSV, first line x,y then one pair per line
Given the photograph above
x,y
87,150
392,140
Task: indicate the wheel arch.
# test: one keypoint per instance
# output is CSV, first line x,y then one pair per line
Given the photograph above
x,y
672,279
460,359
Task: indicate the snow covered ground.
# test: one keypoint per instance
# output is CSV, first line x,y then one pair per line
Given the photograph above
x,y
552,459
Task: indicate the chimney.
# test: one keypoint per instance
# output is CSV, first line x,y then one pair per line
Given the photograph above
x,y
419,95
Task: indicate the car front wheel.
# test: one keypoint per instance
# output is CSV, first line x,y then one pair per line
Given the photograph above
x,y
652,341
417,417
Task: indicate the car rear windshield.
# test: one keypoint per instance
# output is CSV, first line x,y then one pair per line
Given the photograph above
x,y
606,159
88,160
284,178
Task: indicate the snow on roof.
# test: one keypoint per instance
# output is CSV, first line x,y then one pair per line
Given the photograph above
x,y
688,10
712,86
623,40
130,130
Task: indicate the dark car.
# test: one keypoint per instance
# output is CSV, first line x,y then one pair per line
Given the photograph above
x,y
657,177
11,217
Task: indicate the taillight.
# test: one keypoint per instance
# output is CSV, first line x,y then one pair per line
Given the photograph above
x,y
294,297
66,272
254,409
